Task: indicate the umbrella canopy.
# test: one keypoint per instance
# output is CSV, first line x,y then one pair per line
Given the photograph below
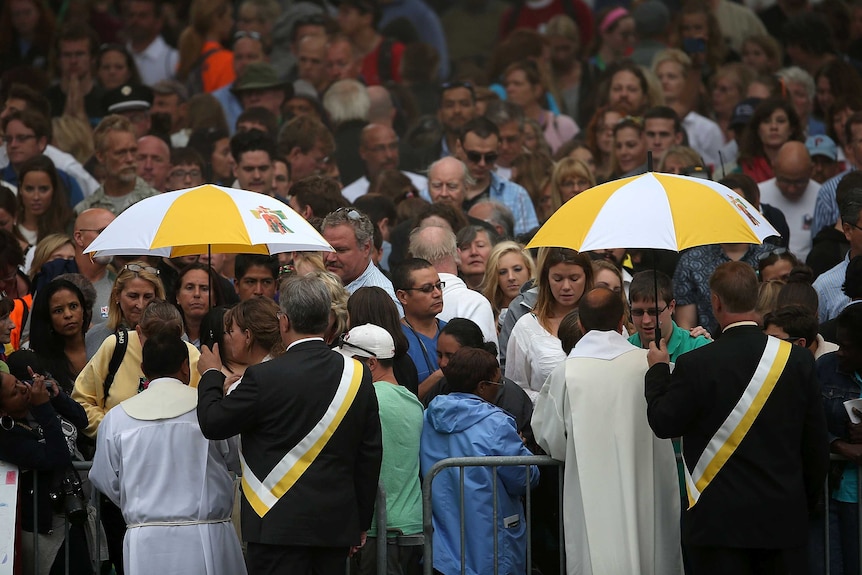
x,y
208,217
660,211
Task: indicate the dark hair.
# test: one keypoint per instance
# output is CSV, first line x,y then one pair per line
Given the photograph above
x,y
163,355
321,193
601,309
745,184
468,334
795,320
481,126
11,255
212,328
850,321
810,32
134,75
376,207
851,204
32,119
852,287
569,331
245,261
774,257
799,293
262,116
847,183
402,275
373,305
643,287
33,98
44,340
203,141
664,113
467,234
467,367
72,32
180,156
454,217
737,286
215,285
57,217
251,141
750,144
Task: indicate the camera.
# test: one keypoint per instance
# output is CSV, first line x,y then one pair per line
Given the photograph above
x,y
68,497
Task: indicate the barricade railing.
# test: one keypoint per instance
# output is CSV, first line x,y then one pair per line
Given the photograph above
x,y
494,462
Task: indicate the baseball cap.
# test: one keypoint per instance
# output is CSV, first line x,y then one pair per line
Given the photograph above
x,y
367,340
127,98
822,146
743,111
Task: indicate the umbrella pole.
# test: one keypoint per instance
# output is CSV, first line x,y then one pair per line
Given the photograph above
x,y
210,274
655,288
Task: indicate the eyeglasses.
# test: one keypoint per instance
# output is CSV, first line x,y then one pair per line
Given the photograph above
x,y
97,231
852,225
477,157
649,311
183,174
139,268
427,288
775,252
495,383
344,343
18,138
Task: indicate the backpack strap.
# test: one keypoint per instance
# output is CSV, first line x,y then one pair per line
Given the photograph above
x,y
122,336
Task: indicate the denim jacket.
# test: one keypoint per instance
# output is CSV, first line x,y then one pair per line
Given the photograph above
x,y
837,386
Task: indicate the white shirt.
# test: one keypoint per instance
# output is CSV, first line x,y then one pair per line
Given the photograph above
x,y
532,354
461,301
360,186
704,136
799,214
156,62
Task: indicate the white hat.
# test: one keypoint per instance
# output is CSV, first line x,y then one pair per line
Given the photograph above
x,y
368,340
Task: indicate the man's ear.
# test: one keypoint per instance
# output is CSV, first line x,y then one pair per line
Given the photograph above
x,y
401,295
802,342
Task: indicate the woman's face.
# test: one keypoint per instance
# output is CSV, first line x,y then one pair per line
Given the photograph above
x,y
674,164
474,255
6,326
67,313
512,273
607,279
7,222
193,296
531,138
774,131
222,160
235,343
586,156
621,37
605,138
113,71
447,345
630,148
25,17
695,26
134,297
626,91
571,186
725,94
519,90
64,252
567,282
755,58
36,193
670,74
16,396
824,93
780,270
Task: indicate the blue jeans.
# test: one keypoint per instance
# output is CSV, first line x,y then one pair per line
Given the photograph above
x,y
843,541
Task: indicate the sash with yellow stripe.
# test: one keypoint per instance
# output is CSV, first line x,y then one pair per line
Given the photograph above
x,y
263,495
731,433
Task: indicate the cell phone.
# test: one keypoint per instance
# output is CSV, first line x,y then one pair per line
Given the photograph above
x,y
694,45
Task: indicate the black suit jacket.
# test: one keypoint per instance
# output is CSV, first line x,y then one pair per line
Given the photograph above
x,y
762,495
275,406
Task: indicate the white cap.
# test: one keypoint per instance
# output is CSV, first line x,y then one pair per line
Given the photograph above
x,y
368,340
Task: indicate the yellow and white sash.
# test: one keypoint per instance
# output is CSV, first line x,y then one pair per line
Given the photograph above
x,y
263,495
739,421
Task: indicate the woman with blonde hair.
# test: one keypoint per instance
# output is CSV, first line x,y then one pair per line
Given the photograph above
x,y
509,267
74,136
51,247
200,46
338,317
136,286
570,178
678,159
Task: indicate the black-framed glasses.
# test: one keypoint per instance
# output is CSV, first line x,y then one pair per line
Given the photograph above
x,y
97,230
477,157
775,252
649,311
342,343
428,288
852,225
183,174
139,268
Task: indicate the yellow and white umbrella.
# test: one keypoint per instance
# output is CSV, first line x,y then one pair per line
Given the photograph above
x,y
660,211
206,219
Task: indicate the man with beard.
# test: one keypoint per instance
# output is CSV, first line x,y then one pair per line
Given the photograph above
x,y
116,149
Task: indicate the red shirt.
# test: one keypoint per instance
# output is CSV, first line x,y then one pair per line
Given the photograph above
x,y
370,71
538,18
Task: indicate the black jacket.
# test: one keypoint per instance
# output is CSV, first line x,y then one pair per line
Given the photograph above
x,y
762,496
275,406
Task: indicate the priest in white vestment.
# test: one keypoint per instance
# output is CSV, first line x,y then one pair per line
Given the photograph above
x,y
620,489
172,484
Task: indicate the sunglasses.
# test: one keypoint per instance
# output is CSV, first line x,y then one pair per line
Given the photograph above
x,y
352,214
770,253
342,343
649,311
247,34
477,157
428,288
139,268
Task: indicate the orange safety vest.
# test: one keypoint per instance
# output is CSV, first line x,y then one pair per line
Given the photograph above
x,y
19,316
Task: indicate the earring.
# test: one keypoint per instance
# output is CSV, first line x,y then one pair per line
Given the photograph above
x,y
7,423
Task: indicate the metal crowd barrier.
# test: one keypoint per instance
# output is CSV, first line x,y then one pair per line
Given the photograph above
x,y
493,462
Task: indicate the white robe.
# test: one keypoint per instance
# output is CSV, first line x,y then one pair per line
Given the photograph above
x,y
621,492
163,470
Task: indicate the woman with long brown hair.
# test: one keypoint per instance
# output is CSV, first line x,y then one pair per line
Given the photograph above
x,y
210,24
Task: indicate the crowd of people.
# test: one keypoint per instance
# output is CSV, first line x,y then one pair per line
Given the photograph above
x,y
427,141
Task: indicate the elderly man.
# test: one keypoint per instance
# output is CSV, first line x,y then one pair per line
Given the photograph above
x,y
260,86
343,61
247,49
116,147
620,490
448,179
794,193
154,162
351,235
438,246
378,149
496,214
311,55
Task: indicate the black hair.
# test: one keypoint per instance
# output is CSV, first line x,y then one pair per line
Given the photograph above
x,y
468,334
245,261
481,126
601,309
48,344
469,366
402,274
163,355
853,279
251,141
664,113
795,320
261,116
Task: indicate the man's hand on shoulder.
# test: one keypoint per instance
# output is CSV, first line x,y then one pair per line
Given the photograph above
x,y
209,359
657,354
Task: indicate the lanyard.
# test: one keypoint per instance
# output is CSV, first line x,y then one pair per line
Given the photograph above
x,y
422,345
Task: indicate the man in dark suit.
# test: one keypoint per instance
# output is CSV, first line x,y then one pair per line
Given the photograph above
x,y
754,437
311,442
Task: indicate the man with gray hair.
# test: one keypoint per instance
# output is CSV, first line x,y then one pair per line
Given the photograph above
x,y
438,246
347,104
509,119
311,441
351,234
496,214
448,179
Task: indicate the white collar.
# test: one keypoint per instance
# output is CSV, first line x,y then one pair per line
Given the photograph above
x,y
164,398
303,340
738,324
606,345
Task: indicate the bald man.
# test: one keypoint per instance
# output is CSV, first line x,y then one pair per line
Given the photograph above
x,y
378,149
794,192
382,110
448,179
154,162
312,66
